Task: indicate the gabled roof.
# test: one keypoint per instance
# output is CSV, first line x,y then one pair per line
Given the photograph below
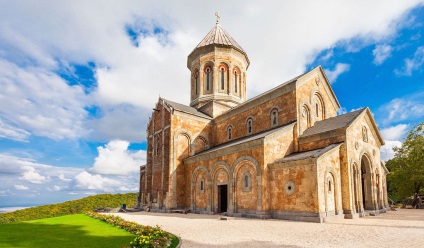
x,y
333,123
307,154
218,36
186,109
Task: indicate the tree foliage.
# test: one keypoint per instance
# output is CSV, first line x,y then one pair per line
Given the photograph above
x,y
79,206
406,176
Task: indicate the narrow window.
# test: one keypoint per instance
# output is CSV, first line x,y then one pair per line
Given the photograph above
x,y
274,118
230,133
249,126
246,181
196,76
329,186
317,109
201,185
208,77
235,81
222,77
157,147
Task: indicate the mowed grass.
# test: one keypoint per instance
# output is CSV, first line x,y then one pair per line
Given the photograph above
x,y
76,230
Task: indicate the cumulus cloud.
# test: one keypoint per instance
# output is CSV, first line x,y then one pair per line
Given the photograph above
x,y
381,53
39,102
395,132
85,180
20,187
386,151
115,159
38,41
63,178
412,64
339,69
32,176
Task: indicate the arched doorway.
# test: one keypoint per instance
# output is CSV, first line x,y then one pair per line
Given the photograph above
x,y
366,183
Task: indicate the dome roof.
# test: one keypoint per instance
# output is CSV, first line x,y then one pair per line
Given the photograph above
x,y
218,36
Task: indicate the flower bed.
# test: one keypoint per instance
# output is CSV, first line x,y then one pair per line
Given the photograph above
x,y
146,236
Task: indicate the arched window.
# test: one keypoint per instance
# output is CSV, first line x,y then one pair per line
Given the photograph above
x,y
329,185
196,83
235,81
306,118
202,185
222,77
318,107
230,135
208,72
246,181
274,117
249,126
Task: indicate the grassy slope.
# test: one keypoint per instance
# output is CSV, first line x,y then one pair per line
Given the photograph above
x,y
67,231
70,207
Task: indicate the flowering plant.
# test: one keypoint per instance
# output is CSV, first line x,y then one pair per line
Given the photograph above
x,y
146,236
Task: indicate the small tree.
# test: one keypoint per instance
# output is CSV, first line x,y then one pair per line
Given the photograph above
x,y
407,167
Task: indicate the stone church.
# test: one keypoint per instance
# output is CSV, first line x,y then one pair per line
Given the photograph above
x,y
284,154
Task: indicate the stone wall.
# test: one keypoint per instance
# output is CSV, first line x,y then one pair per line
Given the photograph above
x,y
260,115
315,99
156,183
191,135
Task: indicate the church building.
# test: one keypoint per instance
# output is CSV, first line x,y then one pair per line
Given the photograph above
x,y
284,154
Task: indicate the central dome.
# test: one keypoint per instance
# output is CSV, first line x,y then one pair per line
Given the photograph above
x,y
218,67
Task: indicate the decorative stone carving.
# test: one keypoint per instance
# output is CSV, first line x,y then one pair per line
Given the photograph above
x,y
356,145
289,188
304,112
317,80
365,134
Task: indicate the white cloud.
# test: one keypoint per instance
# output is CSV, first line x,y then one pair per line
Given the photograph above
x,y
339,69
85,180
399,109
11,132
341,111
63,178
37,40
54,188
413,63
395,132
20,187
32,176
381,53
386,151
119,122
115,159
39,102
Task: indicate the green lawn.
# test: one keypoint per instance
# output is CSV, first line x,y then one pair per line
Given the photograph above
x,y
76,230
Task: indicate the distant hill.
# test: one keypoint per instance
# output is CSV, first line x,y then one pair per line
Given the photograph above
x,y
82,205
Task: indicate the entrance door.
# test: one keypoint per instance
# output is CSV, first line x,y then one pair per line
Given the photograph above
x,y
222,198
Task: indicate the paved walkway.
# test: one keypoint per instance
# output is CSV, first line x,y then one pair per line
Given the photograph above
x,y
402,228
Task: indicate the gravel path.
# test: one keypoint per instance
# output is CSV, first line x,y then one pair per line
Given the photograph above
x,y
402,228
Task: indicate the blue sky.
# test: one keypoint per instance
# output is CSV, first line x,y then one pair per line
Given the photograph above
x,y
79,81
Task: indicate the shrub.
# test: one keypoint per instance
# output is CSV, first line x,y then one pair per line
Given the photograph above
x,y
146,236
79,206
